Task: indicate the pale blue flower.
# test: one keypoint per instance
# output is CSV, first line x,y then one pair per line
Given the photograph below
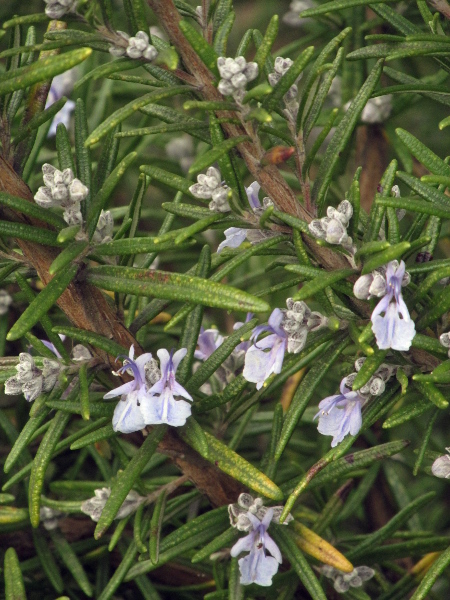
x,y
259,364
61,85
235,236
52,347
243,346
128,416
208,342
163,407
252,192
395,329
341,414
257,567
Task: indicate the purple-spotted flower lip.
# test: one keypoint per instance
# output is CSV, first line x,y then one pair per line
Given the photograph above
x,y
259,364
327,404
395,329
163,406
340,414
256,566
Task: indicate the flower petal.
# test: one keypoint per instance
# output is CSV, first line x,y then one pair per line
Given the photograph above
x,y
126,388
272,548
128,416
257,568
244,544
393,332
234,237
178,357
164,358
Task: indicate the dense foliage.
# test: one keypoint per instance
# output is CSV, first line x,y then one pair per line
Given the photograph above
x,y
224,299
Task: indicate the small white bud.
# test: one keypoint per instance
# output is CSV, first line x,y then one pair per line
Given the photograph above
x,y
78,191
441,466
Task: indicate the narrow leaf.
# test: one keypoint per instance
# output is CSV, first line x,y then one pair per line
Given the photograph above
x,y
127,478
342,135
42,303
174,286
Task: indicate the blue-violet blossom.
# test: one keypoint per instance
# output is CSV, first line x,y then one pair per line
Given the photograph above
x,y
61,86
164,408
259,365
395,329
128,416
208,342
340,414
235,236
257,567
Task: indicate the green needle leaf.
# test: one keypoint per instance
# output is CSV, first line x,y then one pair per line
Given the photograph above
x,y
127,478
231,463
207,159
42,303
43,70
342,135
174,286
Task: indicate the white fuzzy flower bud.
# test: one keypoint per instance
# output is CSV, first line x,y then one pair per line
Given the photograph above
x,y
78,191
317,228
247,504
44,197
29,379
210,186
104,230
441,466
5,301
282,66
377,110
361,287
80,353
93,507
56,9
235,74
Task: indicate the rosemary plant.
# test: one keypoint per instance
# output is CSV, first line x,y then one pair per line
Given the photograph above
x,y
224,303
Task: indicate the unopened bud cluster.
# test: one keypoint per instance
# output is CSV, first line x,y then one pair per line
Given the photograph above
x,y
56,9
342,582
104,230
93,507
64,190
138,46
210,186
298,321
235,73
282,66
377,383
374,285
30,380
333,227
247,504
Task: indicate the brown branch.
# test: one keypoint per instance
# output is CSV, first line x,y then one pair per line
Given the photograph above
x,y
268,176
